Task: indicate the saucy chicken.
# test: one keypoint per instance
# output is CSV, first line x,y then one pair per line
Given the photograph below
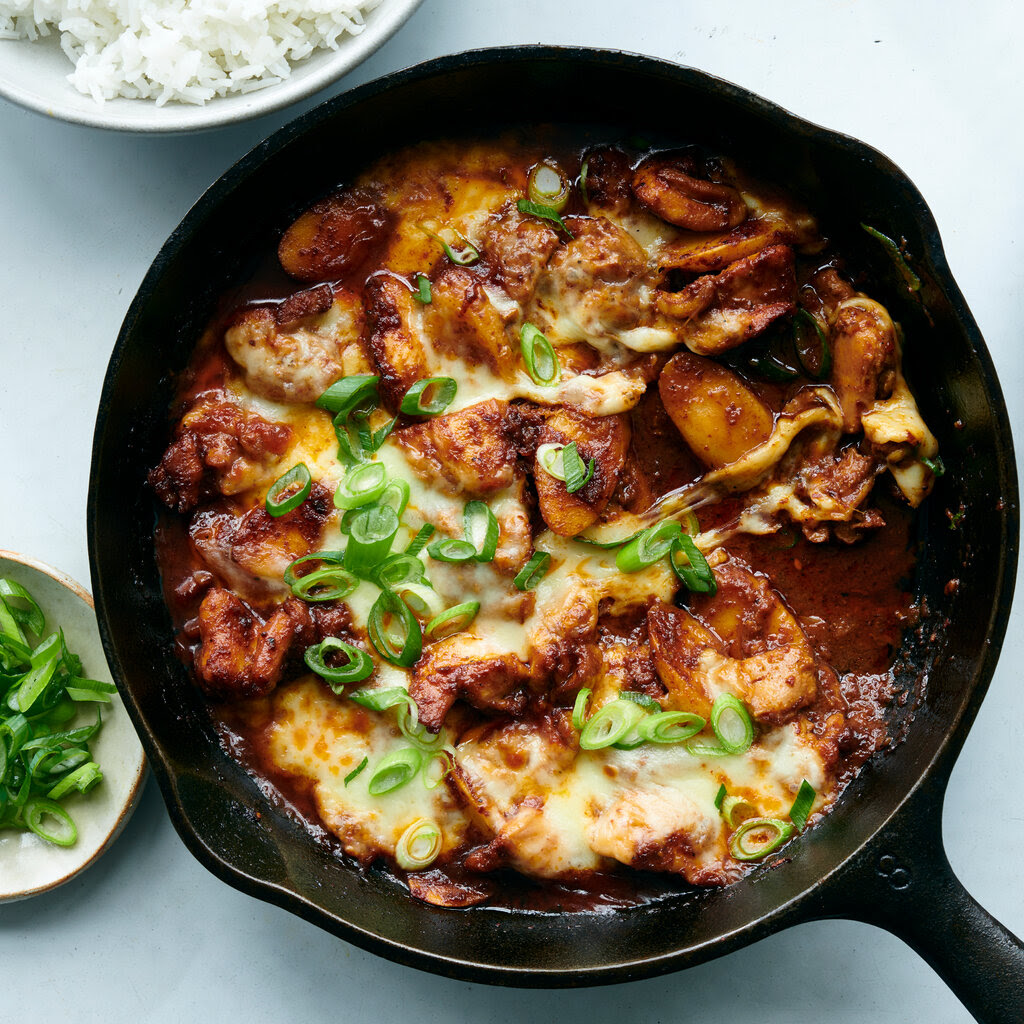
x,y
555,517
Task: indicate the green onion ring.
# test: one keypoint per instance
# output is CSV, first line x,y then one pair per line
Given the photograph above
x,y
84,778
281,499
648,546
802,805
451,549
549,458
696,574
533,572
417,403
670,726
363,484
736,809
424,601
349,393
328,584
357,667
579,708
464,257
454,620
481,528
544,212
547,186
720,796
32,617
395,770
371,535
356,771
936,465
611,724
732,724
398,569
332,557
394,630
584,171
445,758
423,289
419,542
645,700
418,845
395,495
742,849
539,356
38,808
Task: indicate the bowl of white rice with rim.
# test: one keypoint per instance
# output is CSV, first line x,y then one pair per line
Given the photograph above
x,y
182,65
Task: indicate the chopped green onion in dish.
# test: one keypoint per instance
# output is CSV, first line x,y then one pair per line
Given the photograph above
x,y
648,546
811,344
465,256
423,289
670,726
344,396
452,549
611,725
395,770
735,810
720,796
732,725
757,837
362,485
563,462
329,584
419,542
357,770
371,535
539,355
42,689
548,187
357,667
936,465
545,212
424,601
533,572
690,565
418,845
394,630
579,708
289,491
429,396
801,809
452,621
481,529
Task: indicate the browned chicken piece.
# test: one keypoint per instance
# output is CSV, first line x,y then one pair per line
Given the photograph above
x,y
668,186
710,253
720,418
252,551
468,451
467,667
596,281
295,351
605,439
219,449
240,655
609,178
333,237
516,249
724,310
746,642
824,293
393,343
836,484
863,352
462,322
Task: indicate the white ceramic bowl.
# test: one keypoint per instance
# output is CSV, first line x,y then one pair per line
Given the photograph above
x,y
28,864
34,75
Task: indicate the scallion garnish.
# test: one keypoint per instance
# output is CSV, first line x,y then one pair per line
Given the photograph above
x,y
35,813
481,529
350,393
423,288
358,664
328,584
563,462
398,569
547,186
429,396
670,726
289,491
419,542
735,810
802,805
732,724
395,770
579,708
648,546
451,549
757,837
329,557
464,257
362,484
645,700
533,572
432,780
451,621
911,279
690,565
421,597
936,465
544,212
394,630
395,495
811,344
355,771
539,356
419,845
611,724
720,796
371,535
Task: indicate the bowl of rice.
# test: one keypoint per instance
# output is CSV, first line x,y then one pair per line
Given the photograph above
x,y
182,65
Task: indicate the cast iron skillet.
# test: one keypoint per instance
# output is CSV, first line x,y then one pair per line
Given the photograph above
x,y
879,856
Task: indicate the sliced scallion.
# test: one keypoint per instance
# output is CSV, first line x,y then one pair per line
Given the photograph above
x,y
395,770
358,664
670,726
547,186
802,805
357,770
737,809
757,837
452,621
690,565
533,572
732,724
38,810
419,542
720,796
545,212
464,257
371,535
362,485
350,393
423,289
936,465
419,845
429,396
330,557
289,491
394,630
579,708
648,546
329,584
481,529
611,724
539,356
452,549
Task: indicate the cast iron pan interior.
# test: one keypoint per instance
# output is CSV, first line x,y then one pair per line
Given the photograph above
x,y
856,862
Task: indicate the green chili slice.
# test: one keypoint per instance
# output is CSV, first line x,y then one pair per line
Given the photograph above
x,y
811,344
912,281
533,572
429,396
481,529
357,667
757,837
544,212
289,491
395,770
539,355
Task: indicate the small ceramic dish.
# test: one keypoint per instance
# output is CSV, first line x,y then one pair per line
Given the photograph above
x,y
34,75
28,864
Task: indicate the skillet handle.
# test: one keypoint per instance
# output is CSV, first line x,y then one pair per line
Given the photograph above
x,y
903,883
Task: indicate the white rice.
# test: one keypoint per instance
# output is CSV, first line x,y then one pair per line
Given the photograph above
x,y
184,50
